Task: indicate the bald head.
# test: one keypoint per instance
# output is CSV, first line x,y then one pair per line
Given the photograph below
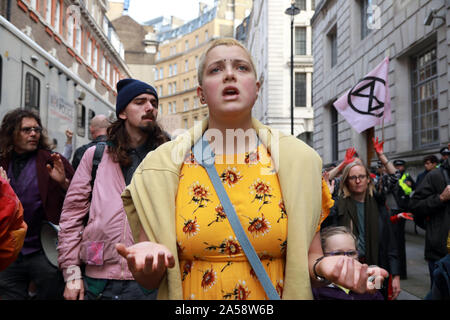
x,y
98,125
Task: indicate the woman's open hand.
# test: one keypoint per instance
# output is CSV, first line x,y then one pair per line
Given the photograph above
x,y
147,261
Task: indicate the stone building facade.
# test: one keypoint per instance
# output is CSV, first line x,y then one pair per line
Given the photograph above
x,y
269,41
178,57
140,46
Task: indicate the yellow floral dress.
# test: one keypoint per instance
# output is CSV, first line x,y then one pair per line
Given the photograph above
x,y
213,264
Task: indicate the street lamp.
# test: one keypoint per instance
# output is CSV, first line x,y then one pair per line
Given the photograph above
x,y
292,11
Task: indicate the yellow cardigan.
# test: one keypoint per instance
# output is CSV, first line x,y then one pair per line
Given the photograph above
x,y
149,201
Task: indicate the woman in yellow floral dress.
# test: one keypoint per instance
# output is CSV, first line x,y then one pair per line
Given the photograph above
x,y
187,248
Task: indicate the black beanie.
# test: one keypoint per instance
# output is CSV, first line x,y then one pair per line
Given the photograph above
x,y
128,89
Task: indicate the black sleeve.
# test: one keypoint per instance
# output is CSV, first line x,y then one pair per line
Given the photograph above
x,y
77,157
425,199
393,254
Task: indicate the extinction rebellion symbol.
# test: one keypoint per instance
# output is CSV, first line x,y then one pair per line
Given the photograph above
x,y
373,104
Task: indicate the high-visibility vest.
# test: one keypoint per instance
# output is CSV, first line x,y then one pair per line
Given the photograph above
x,y
406,189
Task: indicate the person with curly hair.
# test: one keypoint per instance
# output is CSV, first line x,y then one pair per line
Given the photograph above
x,y
40,178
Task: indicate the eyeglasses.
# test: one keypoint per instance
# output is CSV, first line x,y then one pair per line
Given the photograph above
x,y
28,130
351,253
360,177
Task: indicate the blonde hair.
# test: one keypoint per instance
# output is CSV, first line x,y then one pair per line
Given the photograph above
x,y
229,42
328,232
344,190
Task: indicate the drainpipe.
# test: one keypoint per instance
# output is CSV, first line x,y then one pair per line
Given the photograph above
x,y
8,10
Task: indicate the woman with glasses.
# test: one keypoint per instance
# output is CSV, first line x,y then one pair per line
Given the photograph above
x,y
339,241
361,208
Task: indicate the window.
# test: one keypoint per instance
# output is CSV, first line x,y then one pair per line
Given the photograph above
x,y
170,70
313,4
78,39
57,16
160,90
158,55
108,68
170,88
185,123
366,17
32,92
301,4
174,87
170,108
89,51
174,106
334,133
160,109
103,66
94,58
196,62
425,100
105,25
186,65
196,40
48,11
161,73
300,40
300,89
175,69
206,35
70,30
185,104
332,39
186,45
195,102
155,71
81,120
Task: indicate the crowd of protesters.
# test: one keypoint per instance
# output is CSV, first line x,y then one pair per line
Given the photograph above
x,y
122,193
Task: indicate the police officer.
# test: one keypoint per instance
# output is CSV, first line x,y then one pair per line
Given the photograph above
x,y
401,193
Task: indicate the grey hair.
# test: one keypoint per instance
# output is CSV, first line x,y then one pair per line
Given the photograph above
x,y
328,232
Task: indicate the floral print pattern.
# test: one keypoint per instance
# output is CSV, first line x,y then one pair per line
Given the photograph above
x,y
240,292
230,176
200,195
259,226
261,191
212,262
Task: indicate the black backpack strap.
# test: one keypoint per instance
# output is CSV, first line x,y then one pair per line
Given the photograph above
x,y
98,154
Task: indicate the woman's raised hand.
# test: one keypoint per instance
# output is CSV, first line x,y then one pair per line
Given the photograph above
x,y
378,145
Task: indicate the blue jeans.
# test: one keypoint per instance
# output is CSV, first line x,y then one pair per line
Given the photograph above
x,y
35,267
431,268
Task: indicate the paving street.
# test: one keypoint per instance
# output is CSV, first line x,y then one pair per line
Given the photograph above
x,y
417,285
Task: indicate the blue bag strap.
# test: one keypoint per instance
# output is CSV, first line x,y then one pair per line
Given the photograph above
x,y
205,157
